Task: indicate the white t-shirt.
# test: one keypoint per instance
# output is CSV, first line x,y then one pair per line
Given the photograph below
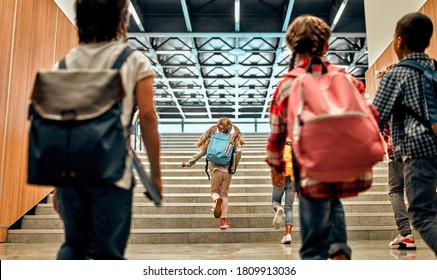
x,y
136,67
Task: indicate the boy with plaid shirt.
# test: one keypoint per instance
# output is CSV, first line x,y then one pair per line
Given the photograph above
x,y
402,88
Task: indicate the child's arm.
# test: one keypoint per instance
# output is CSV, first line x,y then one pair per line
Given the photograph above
x,y
194,159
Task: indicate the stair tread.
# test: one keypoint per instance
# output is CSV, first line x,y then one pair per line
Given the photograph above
x,y
200,230
371,209
194,216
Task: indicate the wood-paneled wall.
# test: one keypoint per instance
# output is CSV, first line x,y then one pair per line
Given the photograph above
x,y
37,34
389,57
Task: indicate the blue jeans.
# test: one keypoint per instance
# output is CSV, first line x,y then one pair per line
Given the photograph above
x,y
420,177
396,194
322,228
96,221
289,191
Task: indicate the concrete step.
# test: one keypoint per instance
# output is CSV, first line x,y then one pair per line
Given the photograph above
x,y
249,172
185,216
250,156
234,207
203,235
170,221
243,165
238,197
205,187
237,179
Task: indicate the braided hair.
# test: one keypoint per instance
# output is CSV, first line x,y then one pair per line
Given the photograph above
x,y
307,35
225,125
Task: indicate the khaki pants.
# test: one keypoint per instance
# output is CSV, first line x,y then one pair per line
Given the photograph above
x,y
220,182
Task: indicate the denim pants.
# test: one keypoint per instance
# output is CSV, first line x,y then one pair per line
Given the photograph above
x,y
96,221
322,228
289,191
420,177
396,194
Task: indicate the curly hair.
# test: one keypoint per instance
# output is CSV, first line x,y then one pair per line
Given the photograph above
x,y
379,74
225,125
307,35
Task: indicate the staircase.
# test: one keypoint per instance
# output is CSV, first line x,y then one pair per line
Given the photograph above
x,y
185,216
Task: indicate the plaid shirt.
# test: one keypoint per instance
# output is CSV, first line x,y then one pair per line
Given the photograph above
x,y
404,85
278,125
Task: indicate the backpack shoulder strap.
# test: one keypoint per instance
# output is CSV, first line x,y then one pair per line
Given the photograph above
x,y
412,64
62,64
421,69
122,57
206,169
296,72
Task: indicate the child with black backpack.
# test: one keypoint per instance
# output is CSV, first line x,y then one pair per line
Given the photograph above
x,y
88,111
221,165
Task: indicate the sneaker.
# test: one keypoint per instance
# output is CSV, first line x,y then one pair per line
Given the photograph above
x,y
218,207
224,225
403,242
277,220
286,239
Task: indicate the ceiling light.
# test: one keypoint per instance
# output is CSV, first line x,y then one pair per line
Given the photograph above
x,y
339,13
237,11
136,17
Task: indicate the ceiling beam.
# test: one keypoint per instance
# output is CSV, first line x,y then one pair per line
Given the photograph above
x,y
195,54
232,34
164,79
275,66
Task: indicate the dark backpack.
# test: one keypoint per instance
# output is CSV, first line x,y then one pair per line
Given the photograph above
x,y
430,92
76,136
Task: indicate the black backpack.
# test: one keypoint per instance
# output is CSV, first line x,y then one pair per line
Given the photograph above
x,y
76,136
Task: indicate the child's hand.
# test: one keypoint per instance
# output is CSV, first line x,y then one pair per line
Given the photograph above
x,y
184,164
278,179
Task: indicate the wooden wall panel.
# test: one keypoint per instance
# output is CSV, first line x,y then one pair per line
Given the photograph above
x,y
389,57
430,9
66,37
34,34
33,47
370,81
7,14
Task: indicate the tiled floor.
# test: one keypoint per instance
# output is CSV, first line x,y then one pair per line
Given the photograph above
x,y
362,250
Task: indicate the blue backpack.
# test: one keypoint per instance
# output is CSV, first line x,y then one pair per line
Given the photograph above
x,y
220,151
430,91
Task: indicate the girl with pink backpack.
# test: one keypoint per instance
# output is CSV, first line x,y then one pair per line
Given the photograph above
x,y
322,109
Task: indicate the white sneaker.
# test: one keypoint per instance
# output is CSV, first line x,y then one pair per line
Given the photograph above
x,y
277,220
403,242
286,239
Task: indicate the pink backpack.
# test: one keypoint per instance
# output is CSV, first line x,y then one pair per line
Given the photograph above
x,y
335,135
